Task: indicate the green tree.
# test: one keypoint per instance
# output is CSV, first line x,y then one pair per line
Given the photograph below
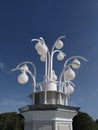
x,y
11,121
82,121
96,122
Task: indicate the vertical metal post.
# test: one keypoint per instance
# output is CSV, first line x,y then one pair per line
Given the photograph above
x,y
45,93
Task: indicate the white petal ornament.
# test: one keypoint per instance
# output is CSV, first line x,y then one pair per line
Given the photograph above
x,y
54,77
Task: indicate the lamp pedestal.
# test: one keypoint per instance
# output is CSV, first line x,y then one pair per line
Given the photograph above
x,y
48,117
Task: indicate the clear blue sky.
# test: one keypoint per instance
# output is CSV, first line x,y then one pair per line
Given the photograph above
x,y
22,20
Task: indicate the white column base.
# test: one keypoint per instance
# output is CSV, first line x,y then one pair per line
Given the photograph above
x,y
48,117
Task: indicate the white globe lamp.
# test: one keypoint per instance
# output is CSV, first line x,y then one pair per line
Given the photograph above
x,y
70,89
42,58
60,56
69,74
42,49
37,45
23,78
58,44
76,64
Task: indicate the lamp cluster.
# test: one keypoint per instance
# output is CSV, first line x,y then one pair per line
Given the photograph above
x,y
51,81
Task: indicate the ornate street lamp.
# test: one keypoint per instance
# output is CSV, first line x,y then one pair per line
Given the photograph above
x,y
68,74
51,83
23,77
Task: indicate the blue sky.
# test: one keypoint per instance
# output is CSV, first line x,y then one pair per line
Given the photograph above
x,y
22,20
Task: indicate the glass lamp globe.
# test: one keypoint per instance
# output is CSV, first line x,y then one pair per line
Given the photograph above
x,y
37,45
58,44
23,78
76,64
60,56
42,49
70,89
69,74
42,58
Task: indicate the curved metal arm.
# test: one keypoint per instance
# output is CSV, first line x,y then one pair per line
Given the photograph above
x,y
73,57
55,42
41,40
51,66
66,65
35,40
57,51
51,55
61,75
34,80
19,67
23,63
28,71
70,83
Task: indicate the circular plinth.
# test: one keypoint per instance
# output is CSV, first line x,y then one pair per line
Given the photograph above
x,y
53,97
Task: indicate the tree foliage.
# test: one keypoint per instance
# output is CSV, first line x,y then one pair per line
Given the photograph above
x,y
11,121
82,121
96,122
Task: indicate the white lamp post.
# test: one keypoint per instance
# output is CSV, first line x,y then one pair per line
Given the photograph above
x,y
68,74
23,77
47,57
51,80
